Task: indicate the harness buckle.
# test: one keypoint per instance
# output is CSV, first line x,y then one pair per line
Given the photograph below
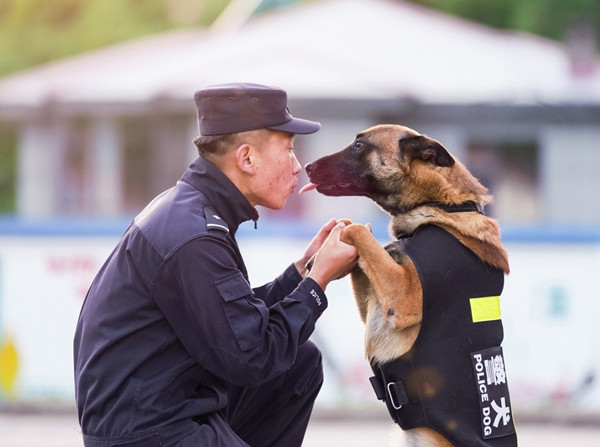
x,y
397,394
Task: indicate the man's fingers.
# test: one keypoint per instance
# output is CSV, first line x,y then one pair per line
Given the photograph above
x,y
336,231
324,231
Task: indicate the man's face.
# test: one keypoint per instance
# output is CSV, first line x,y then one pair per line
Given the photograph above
x,y
277,170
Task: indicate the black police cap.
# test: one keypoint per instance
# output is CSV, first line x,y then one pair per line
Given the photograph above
x,y
231,108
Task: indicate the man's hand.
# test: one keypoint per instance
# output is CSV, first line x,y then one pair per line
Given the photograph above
x,y
334,259
313,247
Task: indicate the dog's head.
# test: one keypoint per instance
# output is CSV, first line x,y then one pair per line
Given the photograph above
x,y
396,167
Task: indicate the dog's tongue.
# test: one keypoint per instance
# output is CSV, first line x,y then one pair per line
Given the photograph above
x,y
307,187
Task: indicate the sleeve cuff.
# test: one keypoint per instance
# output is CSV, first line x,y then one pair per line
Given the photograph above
x,y
291,276
315,296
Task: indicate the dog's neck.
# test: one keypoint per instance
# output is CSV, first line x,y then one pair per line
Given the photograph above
x,y
455,208
479,233
404,224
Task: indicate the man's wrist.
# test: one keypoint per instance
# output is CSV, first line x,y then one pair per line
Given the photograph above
x,y
318,278
301,268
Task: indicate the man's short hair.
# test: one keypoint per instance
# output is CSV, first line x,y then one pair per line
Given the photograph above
x,y
215,146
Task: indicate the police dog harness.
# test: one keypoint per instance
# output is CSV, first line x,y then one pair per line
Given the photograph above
x,y
453,378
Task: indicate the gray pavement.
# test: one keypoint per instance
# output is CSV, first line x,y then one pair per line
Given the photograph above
x,y
60,429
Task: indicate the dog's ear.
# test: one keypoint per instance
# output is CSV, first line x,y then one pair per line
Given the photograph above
x,y
426,149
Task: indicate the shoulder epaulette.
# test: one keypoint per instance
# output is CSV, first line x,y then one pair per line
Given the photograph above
x,y
214,221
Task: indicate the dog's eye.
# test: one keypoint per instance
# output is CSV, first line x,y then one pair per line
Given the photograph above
x,y
358,145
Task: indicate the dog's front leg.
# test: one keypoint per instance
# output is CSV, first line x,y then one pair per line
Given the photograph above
x,y
395,281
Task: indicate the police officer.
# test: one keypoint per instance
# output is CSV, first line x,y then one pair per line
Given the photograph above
x,y
173,347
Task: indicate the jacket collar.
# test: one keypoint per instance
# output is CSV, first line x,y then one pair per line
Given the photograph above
x,y
222,194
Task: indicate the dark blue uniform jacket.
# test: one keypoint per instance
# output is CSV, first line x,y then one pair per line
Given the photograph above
x,y
170,321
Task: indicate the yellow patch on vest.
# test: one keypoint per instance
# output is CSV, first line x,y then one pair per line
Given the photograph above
x,y
486,308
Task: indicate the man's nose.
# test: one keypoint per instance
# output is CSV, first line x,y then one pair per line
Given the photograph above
x,y
297,168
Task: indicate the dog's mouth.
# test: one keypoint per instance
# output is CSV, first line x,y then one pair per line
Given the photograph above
x,y
339,188
308,187
342,180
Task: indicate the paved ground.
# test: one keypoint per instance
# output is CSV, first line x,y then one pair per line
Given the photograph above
x,y
26,429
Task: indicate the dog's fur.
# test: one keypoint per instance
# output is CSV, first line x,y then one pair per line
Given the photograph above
x,y
403,171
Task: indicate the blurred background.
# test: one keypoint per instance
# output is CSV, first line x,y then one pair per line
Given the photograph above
x,y
97,117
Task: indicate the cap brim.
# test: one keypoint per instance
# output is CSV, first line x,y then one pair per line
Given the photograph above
x,y
297,126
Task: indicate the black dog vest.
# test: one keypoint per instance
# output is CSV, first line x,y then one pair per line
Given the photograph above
x,y
453,379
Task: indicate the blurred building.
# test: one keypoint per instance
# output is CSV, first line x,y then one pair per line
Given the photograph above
x,y
102,133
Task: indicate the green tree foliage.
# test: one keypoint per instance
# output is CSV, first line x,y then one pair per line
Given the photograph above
x,y
7,170
33,32
549,18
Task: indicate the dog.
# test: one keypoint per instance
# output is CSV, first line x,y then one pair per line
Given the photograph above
x,y
430,299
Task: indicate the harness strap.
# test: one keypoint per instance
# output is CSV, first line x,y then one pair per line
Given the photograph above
x,y
404,411
464,207
378,388
396,393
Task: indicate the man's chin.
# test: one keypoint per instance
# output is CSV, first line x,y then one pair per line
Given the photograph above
x,y
274,206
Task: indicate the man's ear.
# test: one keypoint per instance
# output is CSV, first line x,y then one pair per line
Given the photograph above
x,y
244,158
426,149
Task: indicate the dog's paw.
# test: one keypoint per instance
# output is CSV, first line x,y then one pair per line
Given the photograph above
x,y
353,233
346,221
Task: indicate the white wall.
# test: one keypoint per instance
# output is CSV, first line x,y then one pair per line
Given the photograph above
x,y
549,310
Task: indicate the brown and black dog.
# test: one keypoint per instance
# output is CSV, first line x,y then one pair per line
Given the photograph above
x,y
429,300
